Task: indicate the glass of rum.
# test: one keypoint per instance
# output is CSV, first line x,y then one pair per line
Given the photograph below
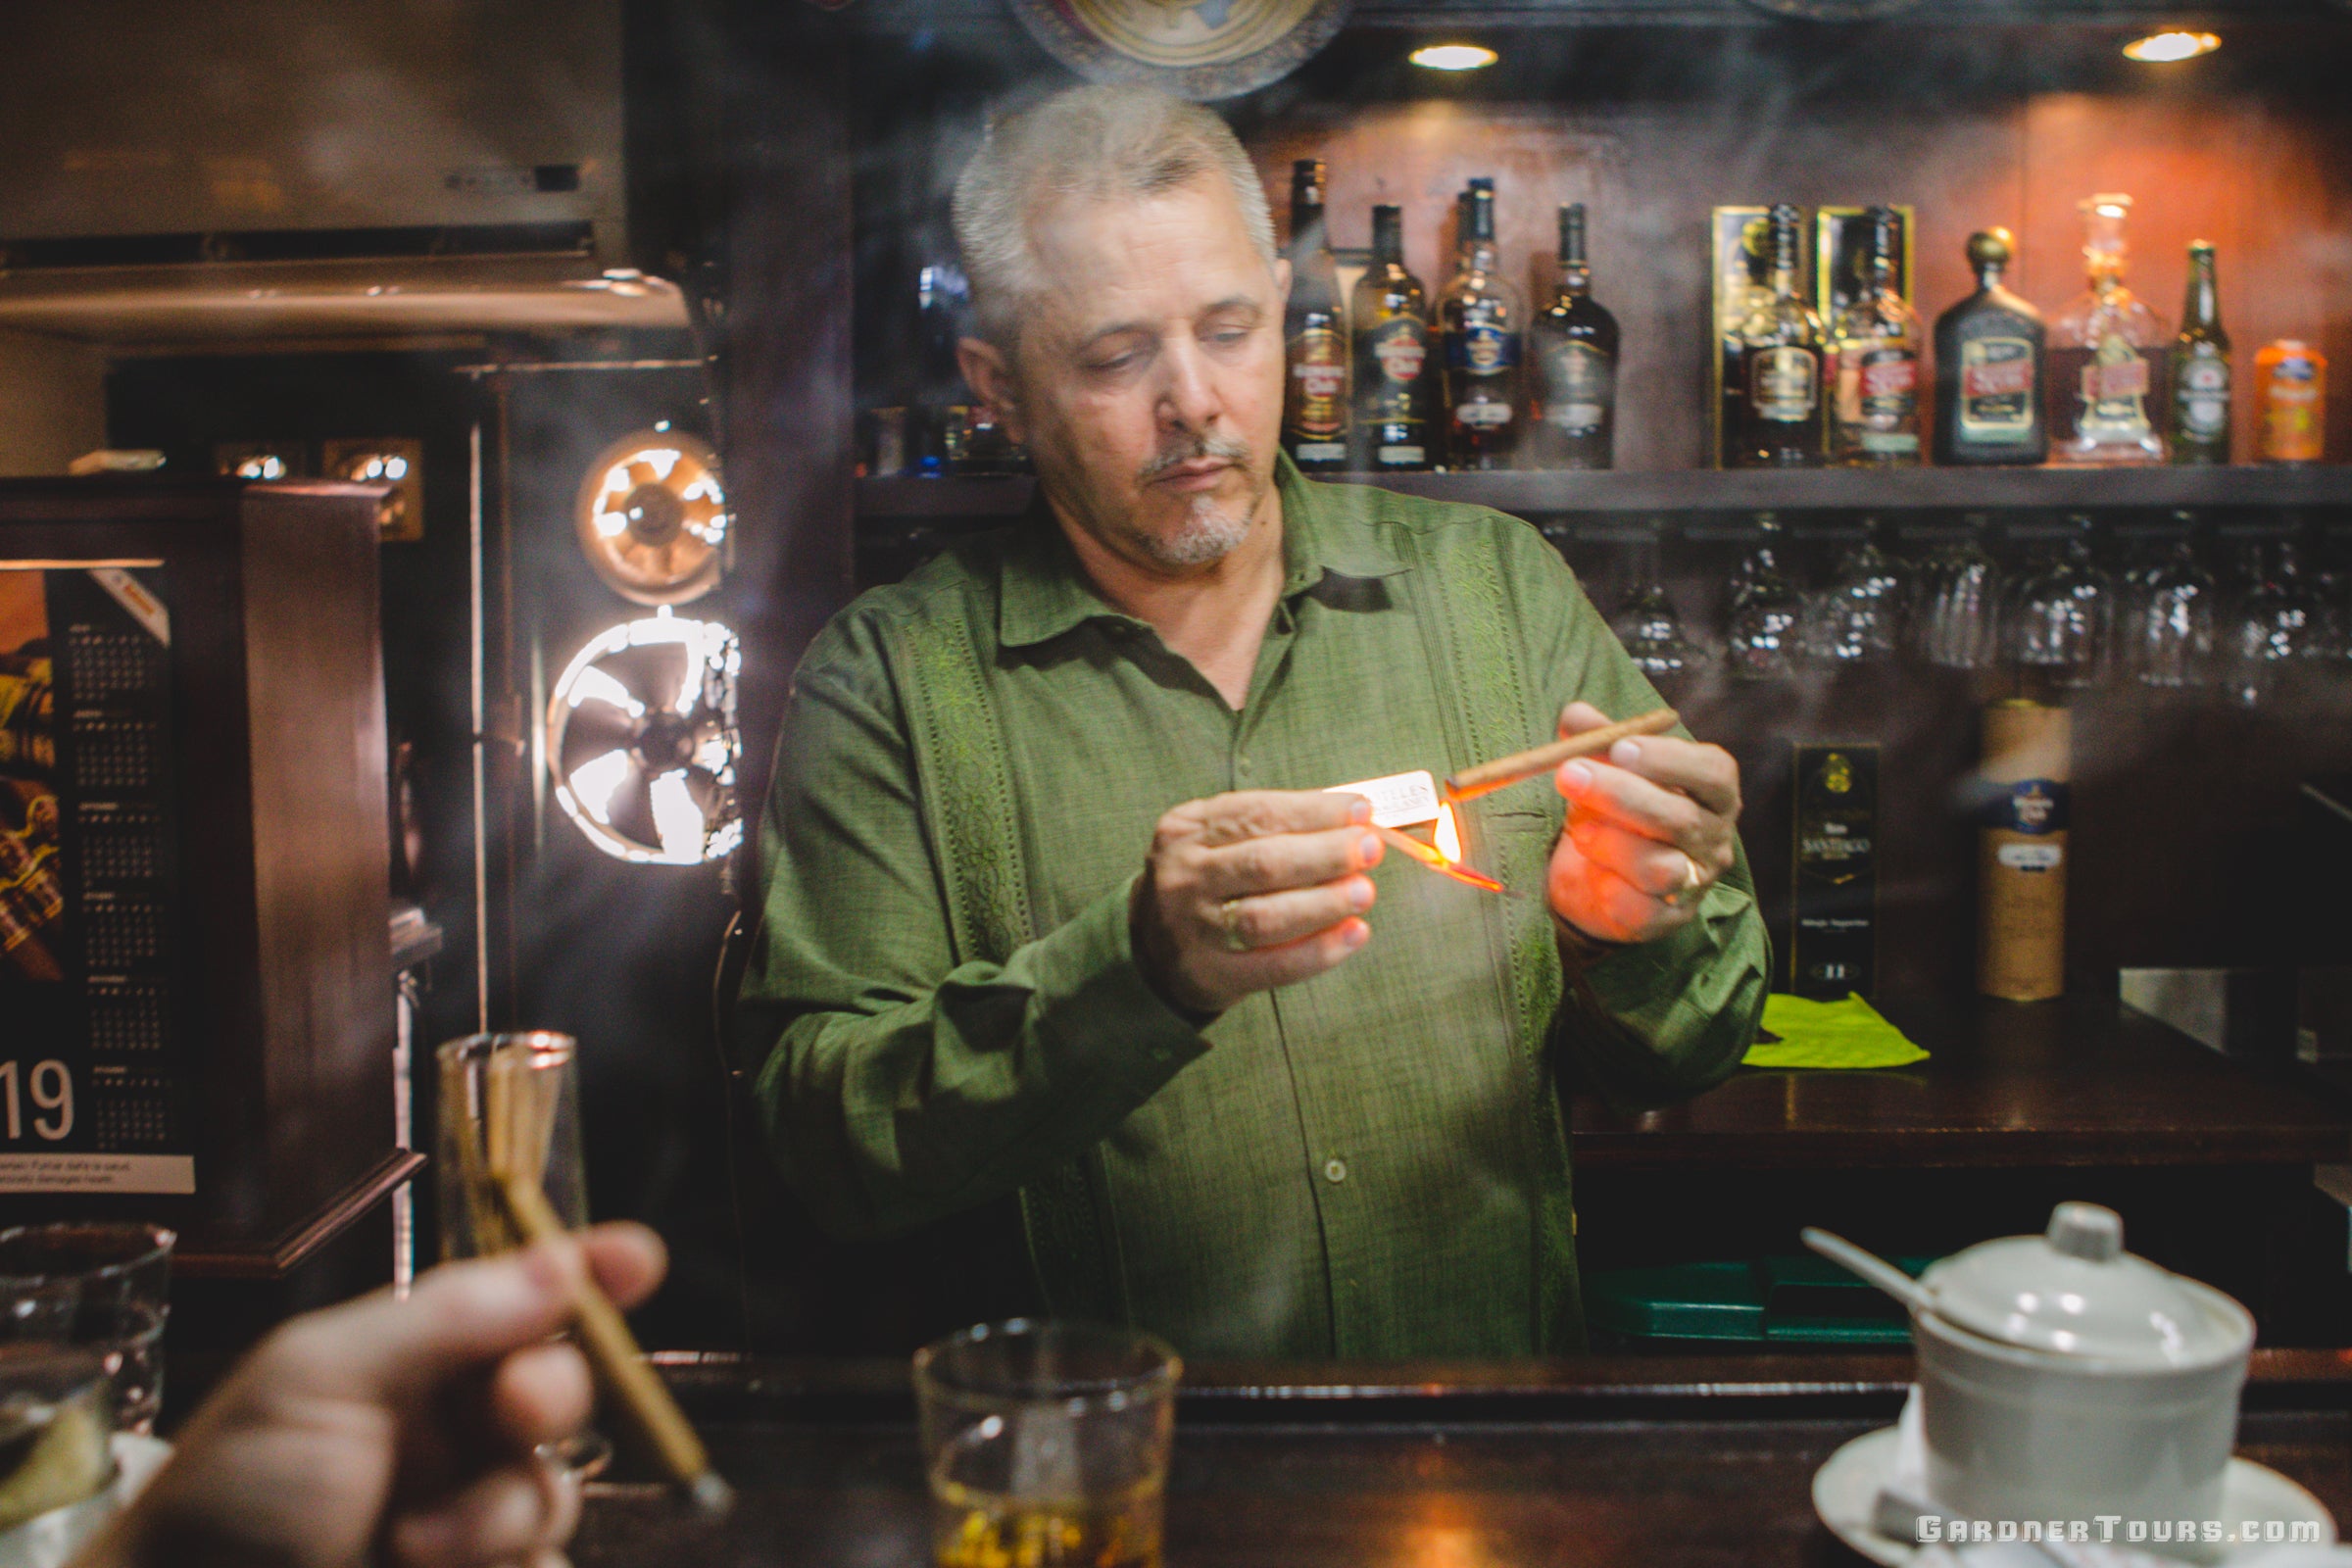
x,y
1047,1444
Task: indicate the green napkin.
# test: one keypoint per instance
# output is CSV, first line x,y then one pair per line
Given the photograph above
x,y
1828,1034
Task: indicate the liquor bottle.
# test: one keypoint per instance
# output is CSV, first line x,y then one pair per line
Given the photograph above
x,y
1744,291
939,415
1780,344
1396,401
1574,421
1991,350
1877,344
2108,352
1480,316
2201,368
1314,404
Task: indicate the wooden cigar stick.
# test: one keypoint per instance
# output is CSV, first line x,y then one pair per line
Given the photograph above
x,y
1487,777
612,1349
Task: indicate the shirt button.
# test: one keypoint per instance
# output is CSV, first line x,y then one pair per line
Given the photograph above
x,y
1335,1169
1241,766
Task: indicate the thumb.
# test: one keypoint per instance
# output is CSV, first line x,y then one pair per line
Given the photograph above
x,y
458,1317
1578,717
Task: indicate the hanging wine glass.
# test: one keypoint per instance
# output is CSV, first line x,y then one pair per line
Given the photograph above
x,y
1857,616
1646,622
2060,616
2275,624
2169,621
1957,624
1760,634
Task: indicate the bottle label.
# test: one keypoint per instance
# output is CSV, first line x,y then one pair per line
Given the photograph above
x,y
1481,348
2202,398
2034,806
1485,413
1400,457
1996,391
1579,384
2115,393
1785,384
1400,348
1318,401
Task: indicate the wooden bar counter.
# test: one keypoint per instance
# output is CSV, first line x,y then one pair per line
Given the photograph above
x,y
1594,1461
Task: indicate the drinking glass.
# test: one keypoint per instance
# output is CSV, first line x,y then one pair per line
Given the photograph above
x,y
1856,617
56,1442
1760,634
1957,625
1047,1443
100,1286
2275,625
2059,621
2169,620
1647,625
509,1104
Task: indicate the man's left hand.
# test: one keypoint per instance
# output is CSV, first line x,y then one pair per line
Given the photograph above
x,y
1650,826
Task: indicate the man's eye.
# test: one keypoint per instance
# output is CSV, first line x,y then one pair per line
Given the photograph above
x,y
1230,334
1117,361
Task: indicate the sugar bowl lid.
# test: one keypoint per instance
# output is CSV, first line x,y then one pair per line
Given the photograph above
x,y
2073,1291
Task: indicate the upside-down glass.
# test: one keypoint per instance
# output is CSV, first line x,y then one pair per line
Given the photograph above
x,y
1046,1445
1857,616
2276,623
507,1101
1958,621
2059,620
1761,629
2169,621
1647,625
99,1286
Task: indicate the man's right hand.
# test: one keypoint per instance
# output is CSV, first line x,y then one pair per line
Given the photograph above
x,y
1254,890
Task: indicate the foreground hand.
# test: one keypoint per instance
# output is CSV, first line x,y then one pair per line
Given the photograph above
x,y
1251,891
393,1431
1650,827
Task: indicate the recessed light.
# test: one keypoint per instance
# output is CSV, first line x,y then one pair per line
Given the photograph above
x,y
1455,57
2159,47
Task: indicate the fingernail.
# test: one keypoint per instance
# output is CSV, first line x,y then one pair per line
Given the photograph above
x,y
1367,849
1360,894
1625,753
1359,933
1577,775
1360,812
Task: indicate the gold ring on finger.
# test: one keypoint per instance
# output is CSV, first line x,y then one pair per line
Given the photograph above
x,y
1229,915
1695,884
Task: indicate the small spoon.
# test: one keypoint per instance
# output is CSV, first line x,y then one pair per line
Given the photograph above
x,y
1871,1267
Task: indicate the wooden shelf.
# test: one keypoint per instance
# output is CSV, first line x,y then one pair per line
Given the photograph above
x,y
1541,494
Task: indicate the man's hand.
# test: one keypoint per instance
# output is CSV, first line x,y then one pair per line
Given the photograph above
x,y
393,1431
1251,891
1650,829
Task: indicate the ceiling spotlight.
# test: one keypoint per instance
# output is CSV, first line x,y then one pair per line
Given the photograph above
x,y
395,462
652,518
1453,57
2158,48
642,744
257,460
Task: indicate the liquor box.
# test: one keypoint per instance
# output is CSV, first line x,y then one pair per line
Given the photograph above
x,y
196,1005
1834,926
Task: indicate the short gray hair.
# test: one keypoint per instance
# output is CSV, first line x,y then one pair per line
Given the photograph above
x,y
1100,141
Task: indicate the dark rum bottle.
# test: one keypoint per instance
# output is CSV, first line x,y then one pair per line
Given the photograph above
x,y
1877,343
1779,342
1574,418
1396,375
1314,403
1990,359
2201,368
1480,318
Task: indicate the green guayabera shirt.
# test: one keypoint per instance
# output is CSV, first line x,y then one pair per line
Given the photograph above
x,y
1372,1163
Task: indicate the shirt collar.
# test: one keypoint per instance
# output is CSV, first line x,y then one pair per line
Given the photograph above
x,y
1327,531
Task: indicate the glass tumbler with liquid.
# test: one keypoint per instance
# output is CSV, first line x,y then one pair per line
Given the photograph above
x,y
1047,1444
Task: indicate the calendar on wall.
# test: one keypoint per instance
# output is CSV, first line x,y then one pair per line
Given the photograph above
x,y
90,1099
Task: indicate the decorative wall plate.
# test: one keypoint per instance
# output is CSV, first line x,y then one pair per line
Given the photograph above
x,y
1196,49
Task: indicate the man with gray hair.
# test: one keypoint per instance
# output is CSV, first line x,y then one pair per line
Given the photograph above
x,y
1065,915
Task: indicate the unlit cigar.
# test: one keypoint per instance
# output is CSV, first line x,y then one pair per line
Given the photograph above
x,y
1487,777
612,1349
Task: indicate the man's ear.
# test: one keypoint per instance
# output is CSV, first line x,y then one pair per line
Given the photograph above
x,y
989,374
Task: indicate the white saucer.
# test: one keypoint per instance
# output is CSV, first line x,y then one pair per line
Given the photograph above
x,y
52,1540
1845,1489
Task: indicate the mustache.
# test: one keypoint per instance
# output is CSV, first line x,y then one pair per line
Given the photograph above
x,y
1225,448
